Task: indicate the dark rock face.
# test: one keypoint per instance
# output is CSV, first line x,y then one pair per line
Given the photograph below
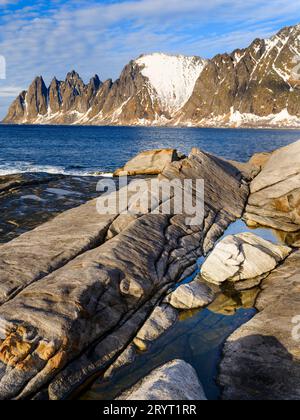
x,y
127,100
74,297
16,112
55,100
36,99
29,200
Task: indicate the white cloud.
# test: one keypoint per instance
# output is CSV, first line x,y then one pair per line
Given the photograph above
x,y
7,2
9,91
51,38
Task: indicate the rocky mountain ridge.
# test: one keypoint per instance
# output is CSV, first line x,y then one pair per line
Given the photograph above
x,y
256,86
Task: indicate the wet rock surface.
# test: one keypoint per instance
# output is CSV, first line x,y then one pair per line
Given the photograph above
x,y
29,200
197,337
176,380
75,299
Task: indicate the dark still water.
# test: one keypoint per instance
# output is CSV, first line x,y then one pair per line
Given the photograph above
x,y
86,150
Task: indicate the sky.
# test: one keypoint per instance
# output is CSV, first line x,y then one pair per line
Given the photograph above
x,y
50,38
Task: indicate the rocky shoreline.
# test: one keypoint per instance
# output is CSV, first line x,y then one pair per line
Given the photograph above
x,y
82,293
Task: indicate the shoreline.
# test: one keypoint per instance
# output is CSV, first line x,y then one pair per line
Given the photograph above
x,y
180,127
114,335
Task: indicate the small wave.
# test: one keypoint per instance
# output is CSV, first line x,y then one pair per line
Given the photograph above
x,y
27,167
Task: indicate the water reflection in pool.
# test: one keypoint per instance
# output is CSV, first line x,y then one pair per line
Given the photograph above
x,y
198,337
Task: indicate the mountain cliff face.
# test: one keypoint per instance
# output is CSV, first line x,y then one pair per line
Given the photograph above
x,y
257,86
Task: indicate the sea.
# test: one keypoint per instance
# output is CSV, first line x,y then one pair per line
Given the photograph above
x,y
85,150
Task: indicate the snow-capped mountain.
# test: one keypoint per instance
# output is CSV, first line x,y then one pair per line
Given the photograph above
x,y
150,90
256,86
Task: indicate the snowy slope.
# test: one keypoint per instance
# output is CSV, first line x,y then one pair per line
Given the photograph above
x,y
171,77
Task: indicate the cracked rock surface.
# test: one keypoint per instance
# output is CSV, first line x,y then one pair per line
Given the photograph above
x,y
74,294
275,193
193,295
241,258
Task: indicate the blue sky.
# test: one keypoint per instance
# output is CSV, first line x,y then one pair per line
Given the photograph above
x,y
101,36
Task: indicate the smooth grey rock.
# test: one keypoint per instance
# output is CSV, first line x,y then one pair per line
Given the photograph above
x,y
243,257
82,298
193,295
275,192
151,162
162,318
176,380
126,358
262,359
33,255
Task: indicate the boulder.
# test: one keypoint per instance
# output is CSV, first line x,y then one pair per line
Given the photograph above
x,y
259,160
275,192
242,259
174,381
151,162
73,297
262,359
162,318
192,295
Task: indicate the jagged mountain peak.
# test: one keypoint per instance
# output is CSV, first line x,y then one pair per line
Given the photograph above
x,y
95,81
73,75
38,80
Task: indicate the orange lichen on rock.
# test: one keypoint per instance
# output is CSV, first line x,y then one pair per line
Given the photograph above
x,y
14,349
45,350
57,361
282,204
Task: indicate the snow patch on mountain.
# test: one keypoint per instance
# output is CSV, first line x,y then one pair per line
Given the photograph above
x,y
173,78
283,119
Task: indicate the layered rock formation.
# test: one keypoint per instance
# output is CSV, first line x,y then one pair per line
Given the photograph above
x,y
193,295
175,381
261,359
275,192
74,293
256,86
242,260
